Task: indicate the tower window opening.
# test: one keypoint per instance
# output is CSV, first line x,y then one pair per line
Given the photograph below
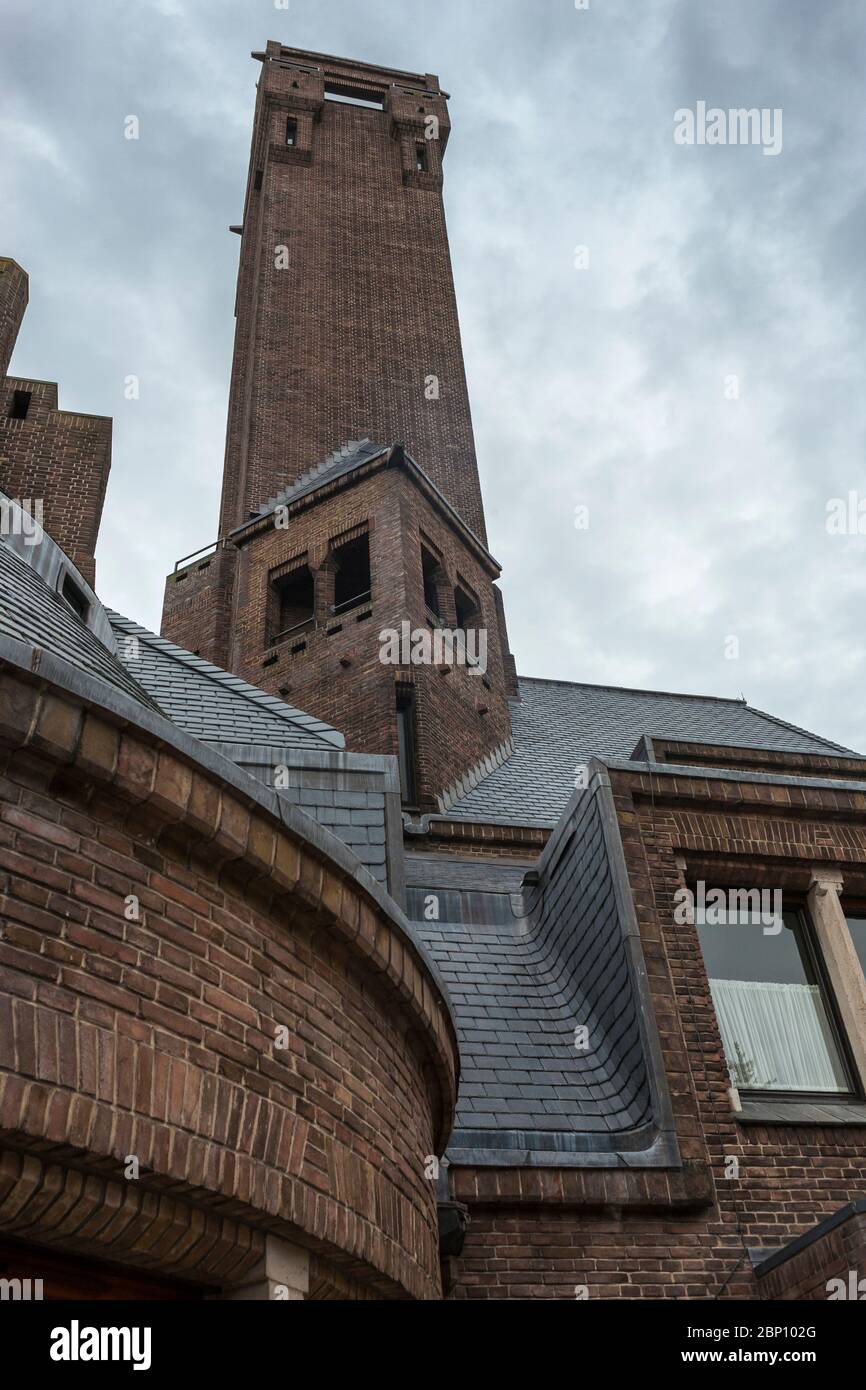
x,y
406,746
352,582
291,130
467,610
422,163
354,96
429,570
257,181
294,604
20,407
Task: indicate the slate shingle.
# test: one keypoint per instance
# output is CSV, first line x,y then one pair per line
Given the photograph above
x,y
557,725
213,705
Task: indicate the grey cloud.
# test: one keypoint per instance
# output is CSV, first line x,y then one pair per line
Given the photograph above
x,y
602,386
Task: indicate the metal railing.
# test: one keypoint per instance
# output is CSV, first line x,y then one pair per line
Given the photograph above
x,y
352,602
306,626
205,550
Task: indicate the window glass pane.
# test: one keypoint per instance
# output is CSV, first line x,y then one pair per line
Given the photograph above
x,y
857,928
772,1015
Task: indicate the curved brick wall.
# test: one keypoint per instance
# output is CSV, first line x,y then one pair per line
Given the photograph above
x,y
155,1037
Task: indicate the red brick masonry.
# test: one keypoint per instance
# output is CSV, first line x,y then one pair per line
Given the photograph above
x,y
155,1037
545,1233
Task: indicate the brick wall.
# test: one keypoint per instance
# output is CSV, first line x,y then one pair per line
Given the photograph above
x,y
13,302
197,606
538,1233
155,1037
62,458
337,674
835,1254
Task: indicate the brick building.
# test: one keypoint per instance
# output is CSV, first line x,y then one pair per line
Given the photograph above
x,y
274,883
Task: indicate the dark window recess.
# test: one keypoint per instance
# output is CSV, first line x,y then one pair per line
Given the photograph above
x,y
257,181
294,608
20,407
354,96
291,130
352,582
429,568
75,598
422,162
466,609
774,1010
406,746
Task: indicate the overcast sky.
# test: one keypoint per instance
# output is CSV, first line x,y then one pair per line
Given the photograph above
x,y
606,387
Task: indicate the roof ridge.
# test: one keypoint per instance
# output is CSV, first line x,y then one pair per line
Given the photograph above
x,y
638,690
344,451
807,733
715,699
314,726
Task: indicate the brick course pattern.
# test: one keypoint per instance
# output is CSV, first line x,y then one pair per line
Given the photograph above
x,y
156,1037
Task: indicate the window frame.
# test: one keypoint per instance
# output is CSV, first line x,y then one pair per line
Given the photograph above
x,y
854,907
814,966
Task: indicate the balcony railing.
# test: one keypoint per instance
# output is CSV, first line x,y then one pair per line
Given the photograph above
x,y
351,602
306,626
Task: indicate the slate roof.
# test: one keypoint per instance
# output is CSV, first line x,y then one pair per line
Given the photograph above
x,y
526,966
558,724
213,705
31,612
343,460
350,456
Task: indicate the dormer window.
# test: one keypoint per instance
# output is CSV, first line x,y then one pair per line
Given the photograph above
x,y
75,597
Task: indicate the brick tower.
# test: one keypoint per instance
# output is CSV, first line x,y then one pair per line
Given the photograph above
x,y
351,503
55,459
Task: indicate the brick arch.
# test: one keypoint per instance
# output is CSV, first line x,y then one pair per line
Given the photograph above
x,y
154,1037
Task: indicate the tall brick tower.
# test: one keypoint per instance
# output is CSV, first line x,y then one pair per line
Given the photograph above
x,y
346,316
351,502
